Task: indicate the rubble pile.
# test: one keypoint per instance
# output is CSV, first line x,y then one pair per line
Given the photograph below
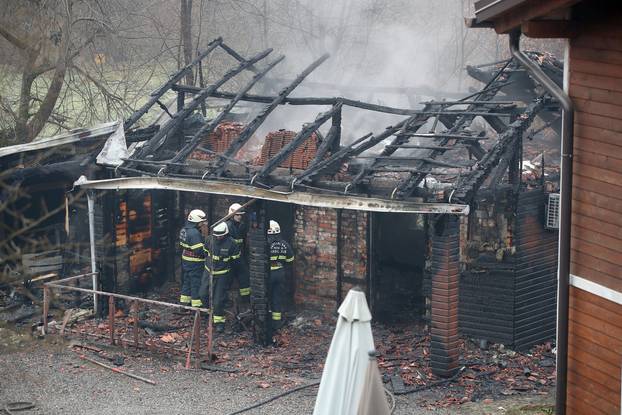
x,y
486,372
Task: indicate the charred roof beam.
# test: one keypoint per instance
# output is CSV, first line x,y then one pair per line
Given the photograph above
x,y
251,127
175,124
208,128
265,99
499,155
157,94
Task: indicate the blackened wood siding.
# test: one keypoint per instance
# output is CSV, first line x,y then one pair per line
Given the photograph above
x,y
595,338
536,273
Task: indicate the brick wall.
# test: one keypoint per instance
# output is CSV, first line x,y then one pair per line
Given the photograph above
x,y
299,159
315,245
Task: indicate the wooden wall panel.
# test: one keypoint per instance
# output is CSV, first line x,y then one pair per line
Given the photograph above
x,y
595,354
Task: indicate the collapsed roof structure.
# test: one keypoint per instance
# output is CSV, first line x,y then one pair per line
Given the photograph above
x,y
439,140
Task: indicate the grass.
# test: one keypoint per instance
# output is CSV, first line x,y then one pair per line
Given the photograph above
x,y
532,410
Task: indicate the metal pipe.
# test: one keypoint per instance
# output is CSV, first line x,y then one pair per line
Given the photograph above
x,y
563,270
91,210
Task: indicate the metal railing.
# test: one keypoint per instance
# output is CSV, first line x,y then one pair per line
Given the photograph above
x,y
195,342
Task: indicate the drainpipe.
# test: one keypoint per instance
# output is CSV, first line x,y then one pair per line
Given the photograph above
x,y
563,270
91,209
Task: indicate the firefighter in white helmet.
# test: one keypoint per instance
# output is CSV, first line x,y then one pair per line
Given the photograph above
x,y
238,229
221,254
192,258
281,254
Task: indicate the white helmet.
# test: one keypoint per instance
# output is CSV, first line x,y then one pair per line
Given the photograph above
x,y
197,215
274,228
221,229
235,207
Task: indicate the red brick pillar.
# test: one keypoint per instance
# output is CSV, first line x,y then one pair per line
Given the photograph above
x,y
444,308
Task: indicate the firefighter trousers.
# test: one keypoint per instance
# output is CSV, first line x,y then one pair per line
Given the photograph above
x,y
219,293
240,271
277,292
192,274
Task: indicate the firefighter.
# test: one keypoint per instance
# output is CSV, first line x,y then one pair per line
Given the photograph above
x,y
192,258
281,254
221,254
238,229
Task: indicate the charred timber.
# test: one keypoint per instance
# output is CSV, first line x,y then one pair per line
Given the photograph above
x,y
250,129
303,135
264,99
406,187
331,141
209,127
155,95
173,126
502,150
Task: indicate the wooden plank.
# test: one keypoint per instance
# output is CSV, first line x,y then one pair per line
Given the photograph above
x,y
611,229
595,94
605,123
590,346
576,405
582,144
599,200
594,81
527,11
611,344
608,306
598,321
549,29
591,360
595,55
603,398
604,175
596,210
592,269
599,108
587,234
597,133
595,186
605,379
601,69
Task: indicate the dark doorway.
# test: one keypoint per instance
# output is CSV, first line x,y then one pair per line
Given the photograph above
x,y
399,251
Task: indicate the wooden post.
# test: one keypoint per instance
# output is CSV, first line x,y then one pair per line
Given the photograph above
x,y
196,332
111,313
46,307
135,314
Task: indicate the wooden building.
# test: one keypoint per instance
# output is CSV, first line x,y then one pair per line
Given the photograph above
x,y
590,314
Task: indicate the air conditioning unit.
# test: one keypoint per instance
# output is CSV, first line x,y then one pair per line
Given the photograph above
x,y
552,211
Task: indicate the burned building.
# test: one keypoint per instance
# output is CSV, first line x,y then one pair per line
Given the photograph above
x,y
430,216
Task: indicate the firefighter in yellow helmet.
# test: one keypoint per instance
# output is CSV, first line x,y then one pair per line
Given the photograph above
x,y
221,255
281,255
238,229
192,258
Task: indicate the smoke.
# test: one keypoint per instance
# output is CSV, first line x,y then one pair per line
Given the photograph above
x,y
388,52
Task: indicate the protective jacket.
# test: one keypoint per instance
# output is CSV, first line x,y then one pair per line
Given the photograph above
x,y
281,253
221,256
237,231
191,241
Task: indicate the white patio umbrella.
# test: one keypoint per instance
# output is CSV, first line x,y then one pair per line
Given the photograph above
x,y
344,376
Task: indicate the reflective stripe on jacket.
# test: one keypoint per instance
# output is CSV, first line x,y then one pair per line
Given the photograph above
x,y
225,252
191,240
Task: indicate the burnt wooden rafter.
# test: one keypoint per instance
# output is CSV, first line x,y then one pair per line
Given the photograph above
x,y
266,99
176,77
407,186
175,124
251,127
304,133
209,127
332,141
504,148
